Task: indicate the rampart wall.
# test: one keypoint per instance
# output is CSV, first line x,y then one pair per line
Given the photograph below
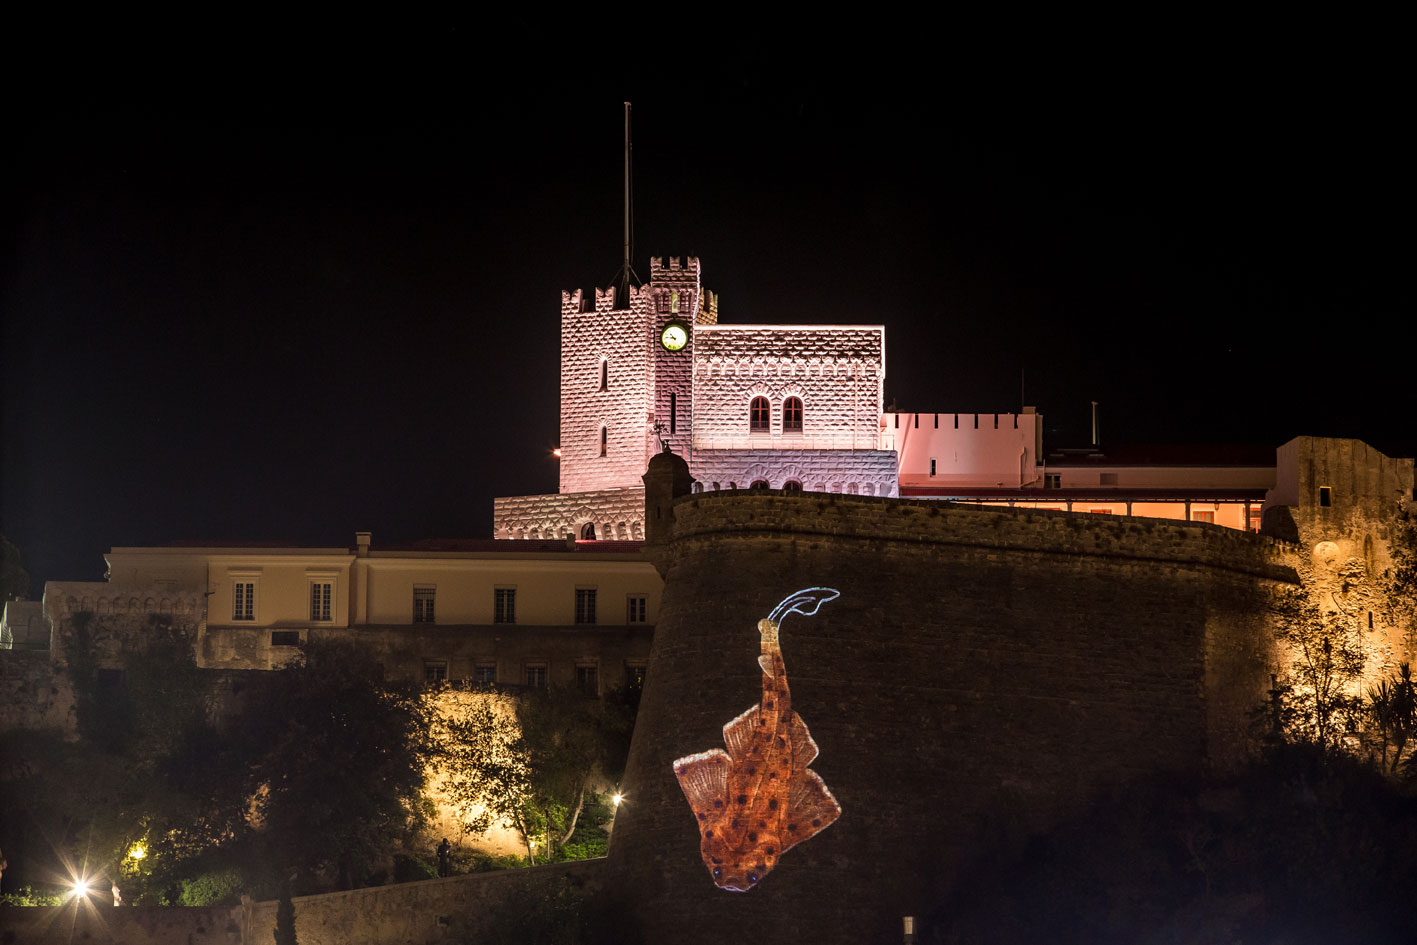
x,y
982,666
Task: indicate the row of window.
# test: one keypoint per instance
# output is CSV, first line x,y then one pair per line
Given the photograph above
x,y
535,674
504,603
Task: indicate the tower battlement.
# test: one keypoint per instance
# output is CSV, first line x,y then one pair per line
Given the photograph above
x,y
687,271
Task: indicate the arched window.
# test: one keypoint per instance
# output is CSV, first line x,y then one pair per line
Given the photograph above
x,y
588,531
604,372
792,485
792,415
732,485
759,484
602,441
698,486
759,416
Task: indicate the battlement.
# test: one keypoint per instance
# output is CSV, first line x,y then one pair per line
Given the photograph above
x,y
687,271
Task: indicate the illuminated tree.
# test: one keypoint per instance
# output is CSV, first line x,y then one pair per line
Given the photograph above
x,y
1318,703
486,765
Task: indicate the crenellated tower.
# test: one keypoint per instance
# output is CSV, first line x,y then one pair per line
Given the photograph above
x,y
627,375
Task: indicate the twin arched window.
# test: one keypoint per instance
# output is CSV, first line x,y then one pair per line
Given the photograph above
x,y
760,415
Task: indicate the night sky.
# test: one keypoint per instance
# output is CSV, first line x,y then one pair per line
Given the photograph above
x,y
285,290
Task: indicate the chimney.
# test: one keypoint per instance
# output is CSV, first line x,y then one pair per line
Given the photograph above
x,y
361,543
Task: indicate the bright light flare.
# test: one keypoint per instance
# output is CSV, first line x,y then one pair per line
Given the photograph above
x,y
617,798
137,851
80,888
556,452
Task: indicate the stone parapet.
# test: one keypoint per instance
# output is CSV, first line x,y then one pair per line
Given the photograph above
x,y
617,514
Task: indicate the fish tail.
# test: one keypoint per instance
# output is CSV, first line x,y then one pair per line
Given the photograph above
x,y
771,660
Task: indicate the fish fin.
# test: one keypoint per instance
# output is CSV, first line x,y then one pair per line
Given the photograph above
x,y
810,809
765,662
739,732
704,779
804,750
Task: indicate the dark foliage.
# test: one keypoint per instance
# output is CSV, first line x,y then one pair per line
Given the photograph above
x,y
1303,846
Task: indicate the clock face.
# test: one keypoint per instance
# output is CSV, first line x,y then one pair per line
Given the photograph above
x,y
674,336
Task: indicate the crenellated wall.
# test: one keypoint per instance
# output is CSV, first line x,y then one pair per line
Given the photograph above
x,y
980,663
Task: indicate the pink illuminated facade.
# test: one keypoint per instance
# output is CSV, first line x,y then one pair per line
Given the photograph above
x,y
768,406
800,407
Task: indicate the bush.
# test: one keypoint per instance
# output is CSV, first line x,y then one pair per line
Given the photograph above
x,y
29,896
217,888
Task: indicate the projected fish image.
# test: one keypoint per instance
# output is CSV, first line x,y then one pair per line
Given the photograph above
x,y
758,799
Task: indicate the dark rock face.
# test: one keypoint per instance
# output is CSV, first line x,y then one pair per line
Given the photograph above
x,y
981,666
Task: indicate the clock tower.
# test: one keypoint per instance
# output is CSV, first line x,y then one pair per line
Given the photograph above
x,y
677,304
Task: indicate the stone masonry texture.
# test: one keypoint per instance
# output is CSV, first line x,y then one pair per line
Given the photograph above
x,y
980,664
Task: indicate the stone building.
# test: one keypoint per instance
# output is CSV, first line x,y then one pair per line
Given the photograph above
x,y
507,613
800,407
772,406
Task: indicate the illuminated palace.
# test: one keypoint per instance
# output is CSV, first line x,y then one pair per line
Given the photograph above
x,y
800,407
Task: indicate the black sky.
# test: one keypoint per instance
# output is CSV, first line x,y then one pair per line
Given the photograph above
x,y
259,289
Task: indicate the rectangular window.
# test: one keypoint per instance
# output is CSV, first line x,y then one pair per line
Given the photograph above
x,y
1052,480
423,597
435,672
285,638
1256,519
932,466
244,600
635,675
536,675
635,608
588,680
321,593
1325,496
585,605
673,410
504,605
484,674
1203,517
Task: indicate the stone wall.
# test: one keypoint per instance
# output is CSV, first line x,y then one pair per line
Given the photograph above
x,y
34,692
617,514
982,665
1340,499
837,371
91,924
456,909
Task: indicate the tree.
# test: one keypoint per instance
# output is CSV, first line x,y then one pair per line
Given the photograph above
x,y
285,918
337,762
14,579
571,739
529,763
486,764
1318,703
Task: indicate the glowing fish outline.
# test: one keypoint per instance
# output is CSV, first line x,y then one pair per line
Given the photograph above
x,y
759,799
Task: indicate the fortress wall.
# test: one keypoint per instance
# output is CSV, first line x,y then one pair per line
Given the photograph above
x,y
983,667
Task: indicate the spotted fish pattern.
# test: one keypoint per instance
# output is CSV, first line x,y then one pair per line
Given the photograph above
x,y
758,799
